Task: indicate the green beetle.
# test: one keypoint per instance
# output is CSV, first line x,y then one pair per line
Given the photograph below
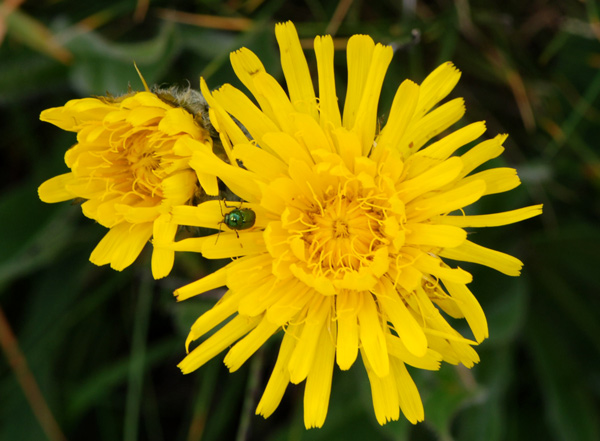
x,y
238,219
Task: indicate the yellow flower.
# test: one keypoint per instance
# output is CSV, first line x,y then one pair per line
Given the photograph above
x,y
129,168
353,227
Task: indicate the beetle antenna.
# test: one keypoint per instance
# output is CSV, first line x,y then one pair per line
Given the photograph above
x,y
222,221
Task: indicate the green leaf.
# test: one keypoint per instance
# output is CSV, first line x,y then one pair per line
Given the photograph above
x,y
565,267
104,66
101,382
449,390
25,74
569,403
31,237
33,33
484,419
505,308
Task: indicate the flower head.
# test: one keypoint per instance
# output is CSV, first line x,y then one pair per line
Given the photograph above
x,y
128,168
352,228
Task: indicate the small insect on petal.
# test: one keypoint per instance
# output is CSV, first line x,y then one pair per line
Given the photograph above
x,y
240,219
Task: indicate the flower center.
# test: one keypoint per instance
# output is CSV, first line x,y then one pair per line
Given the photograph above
x,y
344,232
144,168
343,229
340,229
144,152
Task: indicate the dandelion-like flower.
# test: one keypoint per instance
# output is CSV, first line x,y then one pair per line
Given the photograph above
x,y
129,169
353,227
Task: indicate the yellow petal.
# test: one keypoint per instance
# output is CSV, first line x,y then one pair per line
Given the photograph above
x,y
274,97
347,305
408,394
56,189
481,153
286,147
437,86
471,252
280,376
442,149
444,339
446,146
206,283
289,303
246,65
88,188
401,113
493,220
220,119
220,312
179,187
432,124
371,336
230,245
241,182
384,393
121,245
359,54
303,356
162,259
240,106
144,99
405,276
137,215
433,178
321,284
76,112
258,297
365,123
430,361
231,332
247,270
115,119
140,116
247,346
295,69
446,202
276,239
106,213
186,147
328,103
471,308
497,180
465,353
260,161
436,267
434,235
361,280
178,121
318,382
405,324
208,214
193,244
436,324
347,145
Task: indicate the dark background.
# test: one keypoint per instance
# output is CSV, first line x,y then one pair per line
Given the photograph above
x,y
103,346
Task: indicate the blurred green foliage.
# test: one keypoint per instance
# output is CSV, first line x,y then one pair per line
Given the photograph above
x,y
103,346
